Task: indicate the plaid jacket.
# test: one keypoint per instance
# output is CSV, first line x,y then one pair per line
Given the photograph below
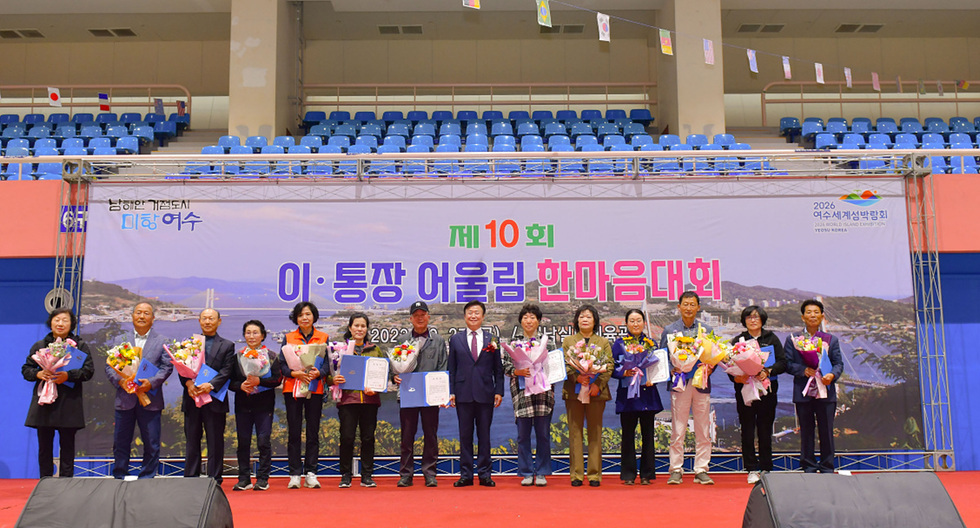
x,y
528,406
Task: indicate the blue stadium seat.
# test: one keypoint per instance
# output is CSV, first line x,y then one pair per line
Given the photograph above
x,y
565,115
585,141
424,140
365,115
394,141
612,139
145,133
368,141
441,115
531,141
505,166
581,128
415,166
514,115
284,141
567,166
641,116
633,129
535,166
417,115
164,131
339,115
90,131
789,127
591,114
341,142
467,116
391,116
321,167
540,115
128,145
227,142
824,140
256,143
490,115
696,140
476,128
669,141
444,166
73,145
639,141
616,113
398,129
129,118
311,142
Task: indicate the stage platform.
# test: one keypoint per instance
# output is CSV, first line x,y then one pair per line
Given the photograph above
x,y
508,504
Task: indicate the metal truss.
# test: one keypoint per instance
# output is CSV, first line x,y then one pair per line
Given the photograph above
x,y
782,173
507,464
67,290
929,322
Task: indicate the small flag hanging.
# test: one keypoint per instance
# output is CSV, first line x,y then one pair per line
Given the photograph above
x,y
158,106
962,85
898,83
753,65
709,51
544,13
603,22
922,87
939,88
181,108
847,77
54,96
665,47
875,84
819,69
103,102
787,72
474,4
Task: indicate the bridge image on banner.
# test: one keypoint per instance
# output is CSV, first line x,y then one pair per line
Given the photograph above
x,y
253,250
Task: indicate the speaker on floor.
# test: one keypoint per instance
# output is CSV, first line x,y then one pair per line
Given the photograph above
x,y
111,503
888,500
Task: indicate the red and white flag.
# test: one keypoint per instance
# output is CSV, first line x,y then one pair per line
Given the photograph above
x,y
54,96
818,68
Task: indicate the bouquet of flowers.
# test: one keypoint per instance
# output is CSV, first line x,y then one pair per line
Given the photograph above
x,y
713,350
334,350
187,357
55,356
683,356
531,354
811,349
585,359
403,357
125,360
747,359
254,362
639,356
302,357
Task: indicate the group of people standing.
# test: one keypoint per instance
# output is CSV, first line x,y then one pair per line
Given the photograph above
x,y
477,367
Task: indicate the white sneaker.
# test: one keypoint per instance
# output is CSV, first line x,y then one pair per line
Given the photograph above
x,y
754,476
540,481
527,481
311,481
293,482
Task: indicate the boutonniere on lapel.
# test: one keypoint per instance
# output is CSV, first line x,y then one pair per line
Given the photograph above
x,y
492,346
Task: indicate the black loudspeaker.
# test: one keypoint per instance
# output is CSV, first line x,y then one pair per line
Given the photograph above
x,y
111,503
891,500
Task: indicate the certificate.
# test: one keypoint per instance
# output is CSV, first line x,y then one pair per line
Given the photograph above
x,y
771,358
205,376
364,372
76,362
424,389
659,371
554,367
146,371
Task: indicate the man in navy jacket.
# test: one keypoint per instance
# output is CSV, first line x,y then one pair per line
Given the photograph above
x,y
476,381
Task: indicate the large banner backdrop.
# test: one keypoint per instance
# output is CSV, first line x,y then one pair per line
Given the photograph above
x,y
252,250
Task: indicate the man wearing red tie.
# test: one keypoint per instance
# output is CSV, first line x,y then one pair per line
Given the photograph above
x,y
476,381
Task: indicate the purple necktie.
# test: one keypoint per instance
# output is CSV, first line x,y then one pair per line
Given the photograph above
x,y
473,349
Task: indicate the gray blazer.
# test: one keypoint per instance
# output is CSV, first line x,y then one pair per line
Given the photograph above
x,y
154,353
433,356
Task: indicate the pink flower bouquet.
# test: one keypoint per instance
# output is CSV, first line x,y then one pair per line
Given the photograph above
x,y
55,356
585,359
187,357
335,350
531,354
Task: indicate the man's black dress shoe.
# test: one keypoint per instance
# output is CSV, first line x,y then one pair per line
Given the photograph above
x,y
576,483
430,482
488,482
462,483
404,482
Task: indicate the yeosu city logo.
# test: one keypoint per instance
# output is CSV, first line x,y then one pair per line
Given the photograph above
x,y
864,199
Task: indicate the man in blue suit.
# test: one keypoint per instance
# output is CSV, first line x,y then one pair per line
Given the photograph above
x,y
476,383
809,407
210,418
128,411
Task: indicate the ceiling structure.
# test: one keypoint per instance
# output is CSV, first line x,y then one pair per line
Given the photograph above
x,y
181,20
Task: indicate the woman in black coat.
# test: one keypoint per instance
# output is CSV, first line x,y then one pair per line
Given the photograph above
x,y
758,417
65,415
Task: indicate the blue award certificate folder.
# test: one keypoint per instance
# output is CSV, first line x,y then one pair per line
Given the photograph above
x,y
424,389
260,388
362,372
205,376
76,362
826,367
771,360
318,363
146,371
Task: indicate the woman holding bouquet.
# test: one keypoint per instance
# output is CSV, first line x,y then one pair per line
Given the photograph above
x,y
256,372
642,407
760,415
531,411
304,315
586,341
65,414
358,409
